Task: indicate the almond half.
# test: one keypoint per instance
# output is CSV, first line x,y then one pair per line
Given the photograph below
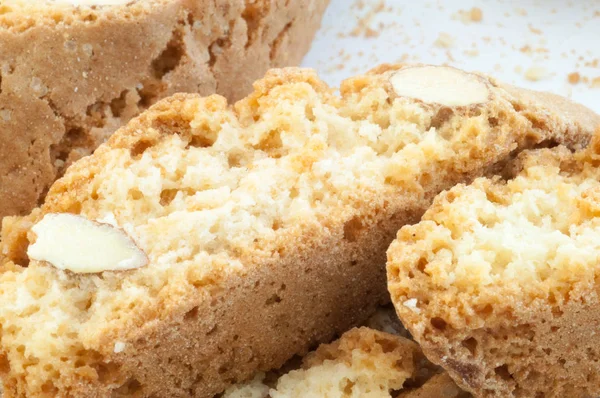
x,y
74,243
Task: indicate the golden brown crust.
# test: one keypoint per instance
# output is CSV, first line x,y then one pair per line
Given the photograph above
x,y
258,298
501,278
71,76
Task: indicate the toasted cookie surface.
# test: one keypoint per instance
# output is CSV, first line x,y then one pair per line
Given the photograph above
x,y
262,227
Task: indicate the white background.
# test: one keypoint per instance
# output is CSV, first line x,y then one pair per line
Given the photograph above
x,y
549,39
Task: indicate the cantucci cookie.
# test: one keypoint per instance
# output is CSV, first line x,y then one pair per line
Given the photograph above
x,y
73,71
232,237
362,363
499,281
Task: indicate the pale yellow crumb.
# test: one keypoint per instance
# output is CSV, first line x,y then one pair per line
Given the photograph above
x,y
536,73
444,40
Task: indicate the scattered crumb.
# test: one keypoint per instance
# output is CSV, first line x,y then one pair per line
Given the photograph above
x,y
525,50
476,14
534,30
467,16
471,53
371,33
536,73
521,11
592,64
518,69
444,40
574,78
362,27
595,82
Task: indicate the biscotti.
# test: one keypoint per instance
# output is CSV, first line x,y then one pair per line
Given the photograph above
x,y
260,228
499,282
363,362
73,71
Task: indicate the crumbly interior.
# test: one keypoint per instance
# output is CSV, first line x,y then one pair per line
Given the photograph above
x,y
207,190
495,246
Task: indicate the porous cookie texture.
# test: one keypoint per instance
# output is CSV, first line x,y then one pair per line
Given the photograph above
x,y
499,281
265,225
73,71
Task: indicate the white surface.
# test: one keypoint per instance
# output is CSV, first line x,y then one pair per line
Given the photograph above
x,y
550,39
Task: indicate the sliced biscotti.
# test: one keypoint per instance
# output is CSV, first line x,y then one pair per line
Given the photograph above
x,y
73,71
239,236
499,282
363,362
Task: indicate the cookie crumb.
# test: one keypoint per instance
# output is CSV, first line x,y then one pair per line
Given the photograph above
x,y
534,30
444,40
574,78
521,11
536,73
371,33
468,16
476,14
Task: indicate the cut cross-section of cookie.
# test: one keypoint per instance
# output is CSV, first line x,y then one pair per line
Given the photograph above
x,y
74,243
265,224
441,85
505,276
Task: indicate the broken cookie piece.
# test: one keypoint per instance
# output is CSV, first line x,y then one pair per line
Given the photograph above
x,y
363,362
502,277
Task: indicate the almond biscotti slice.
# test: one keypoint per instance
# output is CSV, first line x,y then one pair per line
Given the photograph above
x,y
204,242
73,71
363,362
499,282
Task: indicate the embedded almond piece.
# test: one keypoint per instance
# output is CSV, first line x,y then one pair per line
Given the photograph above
x,y
74,243
440,85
